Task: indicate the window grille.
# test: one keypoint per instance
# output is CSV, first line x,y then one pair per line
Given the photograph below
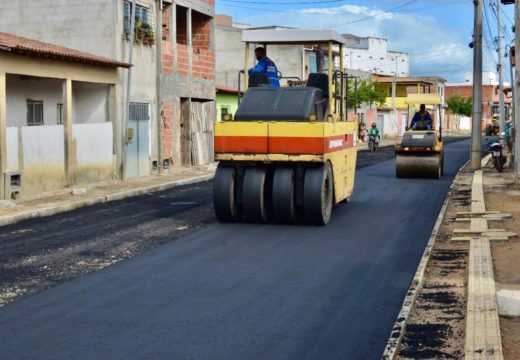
x,y
139,111
34,112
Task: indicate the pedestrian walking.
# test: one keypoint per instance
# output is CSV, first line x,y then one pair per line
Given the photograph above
x,y
362,131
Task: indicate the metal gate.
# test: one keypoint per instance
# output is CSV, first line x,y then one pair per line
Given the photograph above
x,y
381,123
138,149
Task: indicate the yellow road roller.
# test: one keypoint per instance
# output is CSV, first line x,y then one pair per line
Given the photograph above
x,y
288,154
420,154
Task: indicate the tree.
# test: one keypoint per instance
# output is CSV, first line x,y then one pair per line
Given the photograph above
x,y
459,106
367,93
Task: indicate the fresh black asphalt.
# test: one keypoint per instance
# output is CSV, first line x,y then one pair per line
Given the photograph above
x,y
246,291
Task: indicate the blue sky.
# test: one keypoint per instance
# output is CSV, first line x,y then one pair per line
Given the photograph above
x,y
436,33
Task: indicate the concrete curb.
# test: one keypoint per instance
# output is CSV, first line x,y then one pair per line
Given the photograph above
x,y
398,331
49,211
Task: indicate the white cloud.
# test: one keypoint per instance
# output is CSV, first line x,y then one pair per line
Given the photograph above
x,y
441,49
349,10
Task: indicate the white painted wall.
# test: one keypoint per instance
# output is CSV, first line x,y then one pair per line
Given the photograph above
x,y
12,148
19,89
94,144
372,55
89,103
43,146
230,52
465,123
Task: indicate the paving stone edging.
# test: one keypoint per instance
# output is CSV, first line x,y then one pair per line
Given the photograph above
x,y
397,334
53,210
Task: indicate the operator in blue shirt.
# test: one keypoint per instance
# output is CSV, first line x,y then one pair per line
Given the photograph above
x,y
265,66
422,120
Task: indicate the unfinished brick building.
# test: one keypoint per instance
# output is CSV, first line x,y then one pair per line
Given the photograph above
x,y
187,90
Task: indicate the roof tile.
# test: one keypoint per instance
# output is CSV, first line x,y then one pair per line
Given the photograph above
x,y
21,45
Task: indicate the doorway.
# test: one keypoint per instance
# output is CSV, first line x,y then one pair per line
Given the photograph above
x,y
138,159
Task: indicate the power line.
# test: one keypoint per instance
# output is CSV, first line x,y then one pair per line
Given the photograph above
x,y
505,30
489,33
429,7
370,16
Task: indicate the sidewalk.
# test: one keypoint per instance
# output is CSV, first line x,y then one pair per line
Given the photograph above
x,y
63,200
466,299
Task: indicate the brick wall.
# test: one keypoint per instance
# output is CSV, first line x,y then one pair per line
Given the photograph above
x,y
204,65
489,95
167,60
167,44
166,22
203,59
182,60
224,20
167,129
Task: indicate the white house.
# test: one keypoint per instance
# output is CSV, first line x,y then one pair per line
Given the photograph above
x,y
371,54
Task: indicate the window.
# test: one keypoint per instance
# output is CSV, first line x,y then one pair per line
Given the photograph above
x,y
141,14
59,114
34,112
224,110
182,25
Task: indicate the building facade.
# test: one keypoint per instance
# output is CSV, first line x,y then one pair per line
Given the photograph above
x,y
490,98
172,86
372,55
60,116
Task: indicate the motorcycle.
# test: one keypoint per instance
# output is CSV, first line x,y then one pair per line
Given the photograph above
x,y
496,150
372,142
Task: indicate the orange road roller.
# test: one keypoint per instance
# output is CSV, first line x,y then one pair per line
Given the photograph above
x,y
288,155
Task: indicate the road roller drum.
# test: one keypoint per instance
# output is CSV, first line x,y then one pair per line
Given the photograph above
x,y
418,166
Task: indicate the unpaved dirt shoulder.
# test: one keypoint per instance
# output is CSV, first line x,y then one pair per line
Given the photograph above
x,y
436,326
502,195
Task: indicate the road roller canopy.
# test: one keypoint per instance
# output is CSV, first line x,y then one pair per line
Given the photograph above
x,y
292,36
329,85
427,99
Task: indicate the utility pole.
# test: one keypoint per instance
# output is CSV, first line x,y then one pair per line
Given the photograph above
x,y
394,88
501,109
476,128
517,95
126,118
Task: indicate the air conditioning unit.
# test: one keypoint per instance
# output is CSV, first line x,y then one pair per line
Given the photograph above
x,y
12,185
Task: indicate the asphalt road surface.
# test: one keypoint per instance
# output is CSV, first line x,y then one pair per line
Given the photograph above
x,y
246,291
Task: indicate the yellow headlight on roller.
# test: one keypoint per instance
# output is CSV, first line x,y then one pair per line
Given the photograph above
x,y
313,117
